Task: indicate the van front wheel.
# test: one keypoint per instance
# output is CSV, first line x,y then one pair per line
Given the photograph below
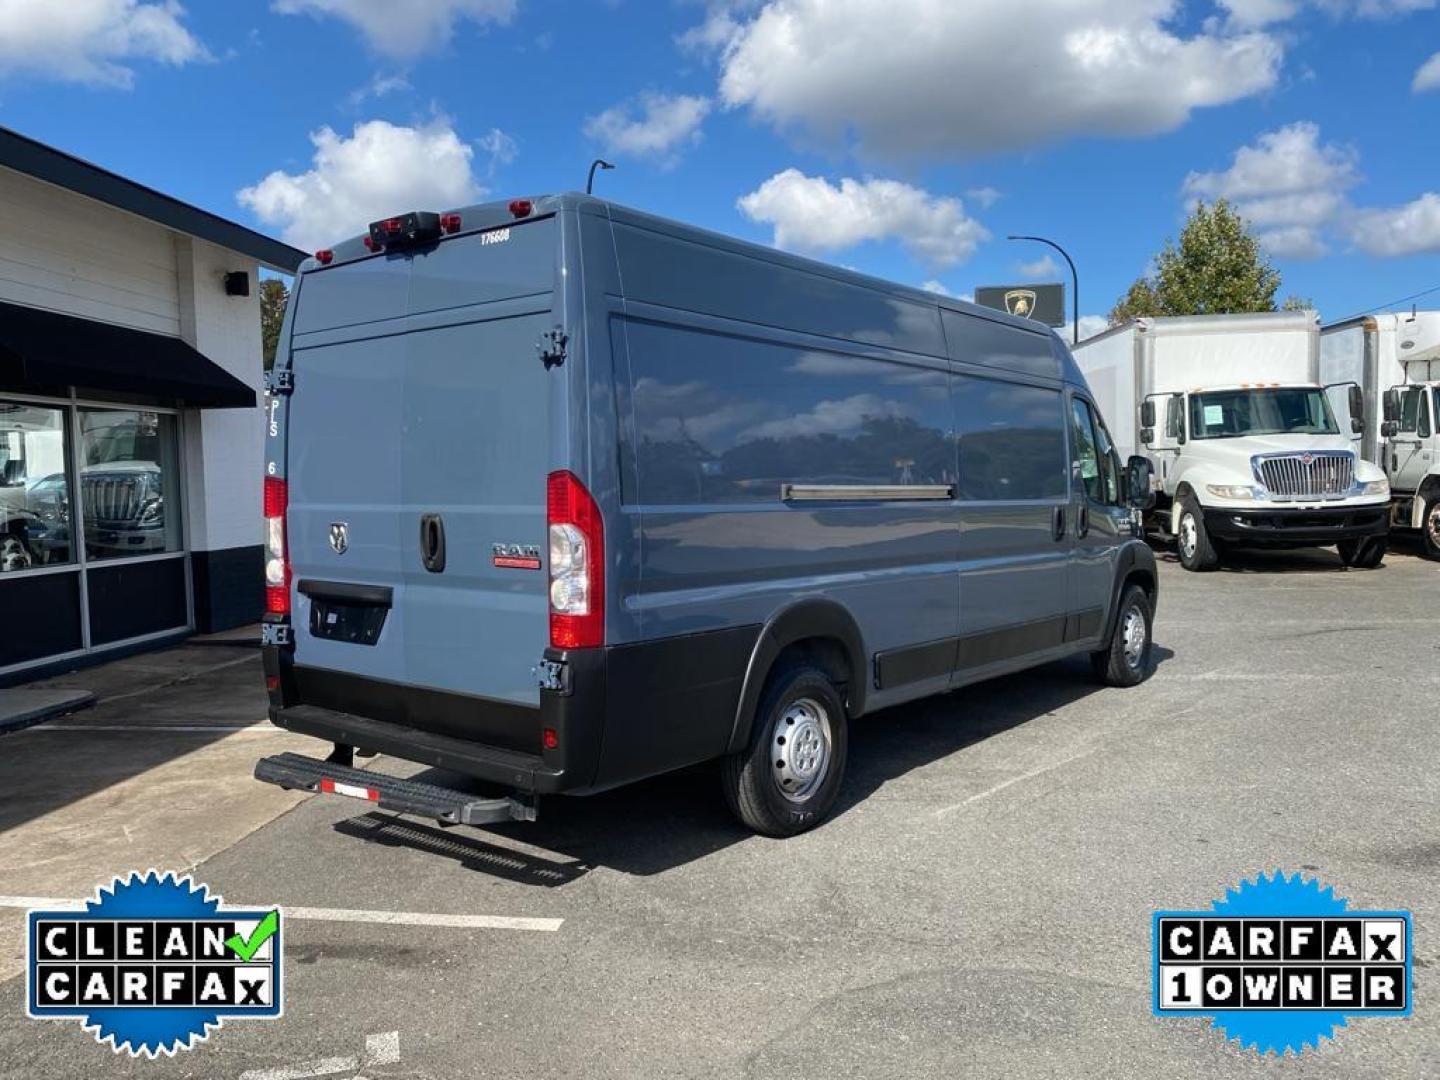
x,y
786,780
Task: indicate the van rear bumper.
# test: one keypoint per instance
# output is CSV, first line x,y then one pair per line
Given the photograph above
x,y
1320,525
522,772
617,714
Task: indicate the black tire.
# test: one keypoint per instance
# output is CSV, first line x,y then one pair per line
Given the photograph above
x,y
754,781
1430,528
1127,660
1197,551
1364,554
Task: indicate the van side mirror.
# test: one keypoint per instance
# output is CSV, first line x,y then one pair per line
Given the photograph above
x,y
1390,428
1357,425
1137,483
1357,407
1147,413
1147,435
1392,404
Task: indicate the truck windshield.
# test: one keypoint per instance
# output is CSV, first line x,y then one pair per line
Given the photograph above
x,y
1228,414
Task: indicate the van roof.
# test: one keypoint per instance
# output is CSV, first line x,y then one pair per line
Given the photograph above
x,y
492,215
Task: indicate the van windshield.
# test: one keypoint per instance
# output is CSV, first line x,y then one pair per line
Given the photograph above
x,y
1229,414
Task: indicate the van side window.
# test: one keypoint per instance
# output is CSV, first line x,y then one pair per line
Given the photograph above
x,y
1095,454
1412,411
725,419
1012,440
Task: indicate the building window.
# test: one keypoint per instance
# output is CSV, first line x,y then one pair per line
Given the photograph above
x,y
129,483
34,490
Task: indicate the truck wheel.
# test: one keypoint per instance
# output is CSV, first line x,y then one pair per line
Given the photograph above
x,y
1363,554
1430,528
1126,660
786,780
1197,552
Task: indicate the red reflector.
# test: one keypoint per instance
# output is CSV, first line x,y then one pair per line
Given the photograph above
x,y
393,225
369,243
520,207
355,791
277,497
551,738
450,222
325,256
272,682
277,600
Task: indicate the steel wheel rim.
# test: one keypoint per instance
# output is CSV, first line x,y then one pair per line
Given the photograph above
x,y
1432,525
1189,539
1133,636
800,749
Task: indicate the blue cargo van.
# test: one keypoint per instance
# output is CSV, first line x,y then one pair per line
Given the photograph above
x,y
561,495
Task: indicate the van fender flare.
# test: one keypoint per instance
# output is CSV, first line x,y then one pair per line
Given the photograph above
x,y
1135,556
814,618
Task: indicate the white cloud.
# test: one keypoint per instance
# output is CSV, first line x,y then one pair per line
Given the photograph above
x,y
1256,13
1428,77
942,77
381,169
1287,185
1090,325
379,86
92,41
1410,229
1042,267
502,148
937,287
811,214
983,197
402,29
656,126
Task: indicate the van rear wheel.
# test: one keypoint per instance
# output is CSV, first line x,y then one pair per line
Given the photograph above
x,y
1430,528
786,780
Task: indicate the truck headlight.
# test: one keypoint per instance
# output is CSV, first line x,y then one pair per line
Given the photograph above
x,y
1231,491
1375,487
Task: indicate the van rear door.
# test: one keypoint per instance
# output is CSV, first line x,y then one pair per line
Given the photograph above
x,y
420,419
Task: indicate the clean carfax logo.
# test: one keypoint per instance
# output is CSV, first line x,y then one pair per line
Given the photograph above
x,y
153,964
1280,963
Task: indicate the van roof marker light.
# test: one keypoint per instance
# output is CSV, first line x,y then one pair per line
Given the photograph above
x,y
521,207
324,256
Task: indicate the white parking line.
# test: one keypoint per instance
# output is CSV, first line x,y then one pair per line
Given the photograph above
x,y
345,915
85,729
381,1049
979,795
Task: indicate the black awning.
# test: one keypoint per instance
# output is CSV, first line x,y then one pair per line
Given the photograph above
x,y
42,350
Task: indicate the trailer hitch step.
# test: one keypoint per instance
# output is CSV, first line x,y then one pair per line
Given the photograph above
x,y
445,805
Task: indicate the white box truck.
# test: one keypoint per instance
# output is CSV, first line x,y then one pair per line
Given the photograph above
x,y
1245,446
1395,359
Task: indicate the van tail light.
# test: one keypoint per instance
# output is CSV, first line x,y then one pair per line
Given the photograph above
x,y
577,564
277,556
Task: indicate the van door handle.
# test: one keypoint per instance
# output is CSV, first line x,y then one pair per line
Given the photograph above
x,y
1082,520
432,543
1057,523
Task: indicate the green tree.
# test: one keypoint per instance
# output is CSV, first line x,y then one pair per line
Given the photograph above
x,y
1297,303
1217,267
273,296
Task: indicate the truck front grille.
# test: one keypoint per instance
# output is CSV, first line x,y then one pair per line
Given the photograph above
x,y
1320,475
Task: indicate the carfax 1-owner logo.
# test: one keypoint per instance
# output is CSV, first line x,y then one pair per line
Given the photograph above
x,y
1281,962
154,964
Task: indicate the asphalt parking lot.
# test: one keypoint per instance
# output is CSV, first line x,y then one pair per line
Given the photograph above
x,y
980,906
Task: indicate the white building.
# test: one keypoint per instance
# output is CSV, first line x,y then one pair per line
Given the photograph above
x,y
130,413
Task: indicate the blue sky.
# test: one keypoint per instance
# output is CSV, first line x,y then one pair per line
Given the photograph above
x,y
904,138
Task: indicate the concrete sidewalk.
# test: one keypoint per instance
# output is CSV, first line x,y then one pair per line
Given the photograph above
x,y
156,774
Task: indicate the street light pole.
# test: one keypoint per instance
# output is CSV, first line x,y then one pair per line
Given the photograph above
x,y
598,163
1074,281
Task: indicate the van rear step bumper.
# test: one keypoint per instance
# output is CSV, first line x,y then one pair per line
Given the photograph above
x,y
450,807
